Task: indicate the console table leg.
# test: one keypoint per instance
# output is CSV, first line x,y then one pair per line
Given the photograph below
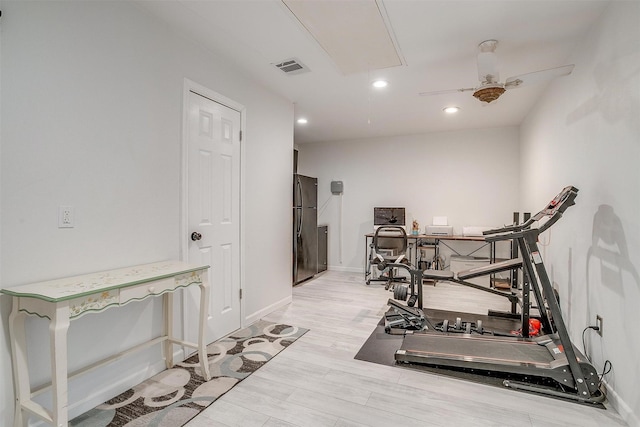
x,y
19,358
58,341
202,326
168,329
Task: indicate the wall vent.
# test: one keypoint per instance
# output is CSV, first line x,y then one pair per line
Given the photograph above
x,y
292,66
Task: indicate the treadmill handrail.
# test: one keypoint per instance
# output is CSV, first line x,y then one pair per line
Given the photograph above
x,y
552,220
512,235
509,228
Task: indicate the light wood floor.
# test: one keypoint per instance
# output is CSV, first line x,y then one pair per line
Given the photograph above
x,y
317,382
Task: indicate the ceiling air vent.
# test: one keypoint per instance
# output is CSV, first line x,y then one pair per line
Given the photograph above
x,y
292,66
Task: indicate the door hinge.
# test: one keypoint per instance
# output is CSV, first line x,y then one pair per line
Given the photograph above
x,y
240,293
240,136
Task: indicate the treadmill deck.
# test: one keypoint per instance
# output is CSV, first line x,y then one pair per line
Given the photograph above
x,y
514,351
489,353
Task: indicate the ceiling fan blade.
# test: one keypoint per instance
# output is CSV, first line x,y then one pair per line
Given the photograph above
x,y
488,62
538,76
442,92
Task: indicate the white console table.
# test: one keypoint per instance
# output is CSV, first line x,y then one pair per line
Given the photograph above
x,y
63,300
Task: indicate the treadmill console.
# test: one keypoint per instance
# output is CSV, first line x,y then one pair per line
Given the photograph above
x,y
563,200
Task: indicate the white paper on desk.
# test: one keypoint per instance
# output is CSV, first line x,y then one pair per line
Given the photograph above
x,y
440,220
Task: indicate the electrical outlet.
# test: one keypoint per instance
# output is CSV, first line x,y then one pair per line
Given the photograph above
x,y
599,324
65,217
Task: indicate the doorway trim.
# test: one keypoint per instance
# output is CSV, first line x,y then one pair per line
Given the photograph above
x,y
188,87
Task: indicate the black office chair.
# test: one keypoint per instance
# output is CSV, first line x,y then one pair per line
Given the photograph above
x,y
389,246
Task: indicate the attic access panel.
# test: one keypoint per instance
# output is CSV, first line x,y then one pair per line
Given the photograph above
x,y
355,34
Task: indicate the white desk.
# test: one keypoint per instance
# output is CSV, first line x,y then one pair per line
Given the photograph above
x,y
68,299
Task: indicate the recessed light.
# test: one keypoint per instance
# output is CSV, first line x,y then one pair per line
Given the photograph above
x,y
380,83
451,110
302,121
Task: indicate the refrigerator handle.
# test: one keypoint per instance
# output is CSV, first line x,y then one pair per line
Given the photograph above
x,y
299,189
299,207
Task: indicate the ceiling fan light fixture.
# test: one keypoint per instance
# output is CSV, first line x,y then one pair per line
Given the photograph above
x,y
489,93
488,45
451,110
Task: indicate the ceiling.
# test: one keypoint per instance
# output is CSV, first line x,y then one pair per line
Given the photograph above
x,y
437,43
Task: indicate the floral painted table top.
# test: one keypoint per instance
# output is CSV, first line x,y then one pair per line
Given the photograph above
x,y
73,287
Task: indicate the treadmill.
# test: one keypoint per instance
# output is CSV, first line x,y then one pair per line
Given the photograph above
x,y
548,357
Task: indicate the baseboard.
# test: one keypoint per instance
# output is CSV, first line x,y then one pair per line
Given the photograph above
x,y
626,412
267,310
346,269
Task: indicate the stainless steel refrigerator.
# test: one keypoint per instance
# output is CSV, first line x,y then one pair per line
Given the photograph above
x,y
305,227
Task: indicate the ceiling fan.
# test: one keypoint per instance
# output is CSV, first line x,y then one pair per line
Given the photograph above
x,y
490,87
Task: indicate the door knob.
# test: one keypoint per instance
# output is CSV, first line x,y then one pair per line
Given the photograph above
x,y
195,236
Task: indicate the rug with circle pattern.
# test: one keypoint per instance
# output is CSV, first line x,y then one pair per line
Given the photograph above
x,y
174,396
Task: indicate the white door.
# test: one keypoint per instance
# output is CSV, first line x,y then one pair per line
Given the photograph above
x,y
213,204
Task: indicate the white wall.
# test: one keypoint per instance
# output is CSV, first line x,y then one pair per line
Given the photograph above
x,y
586,132
469,176
91,117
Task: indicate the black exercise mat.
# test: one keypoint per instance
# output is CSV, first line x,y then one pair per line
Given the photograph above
x,y
380,347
